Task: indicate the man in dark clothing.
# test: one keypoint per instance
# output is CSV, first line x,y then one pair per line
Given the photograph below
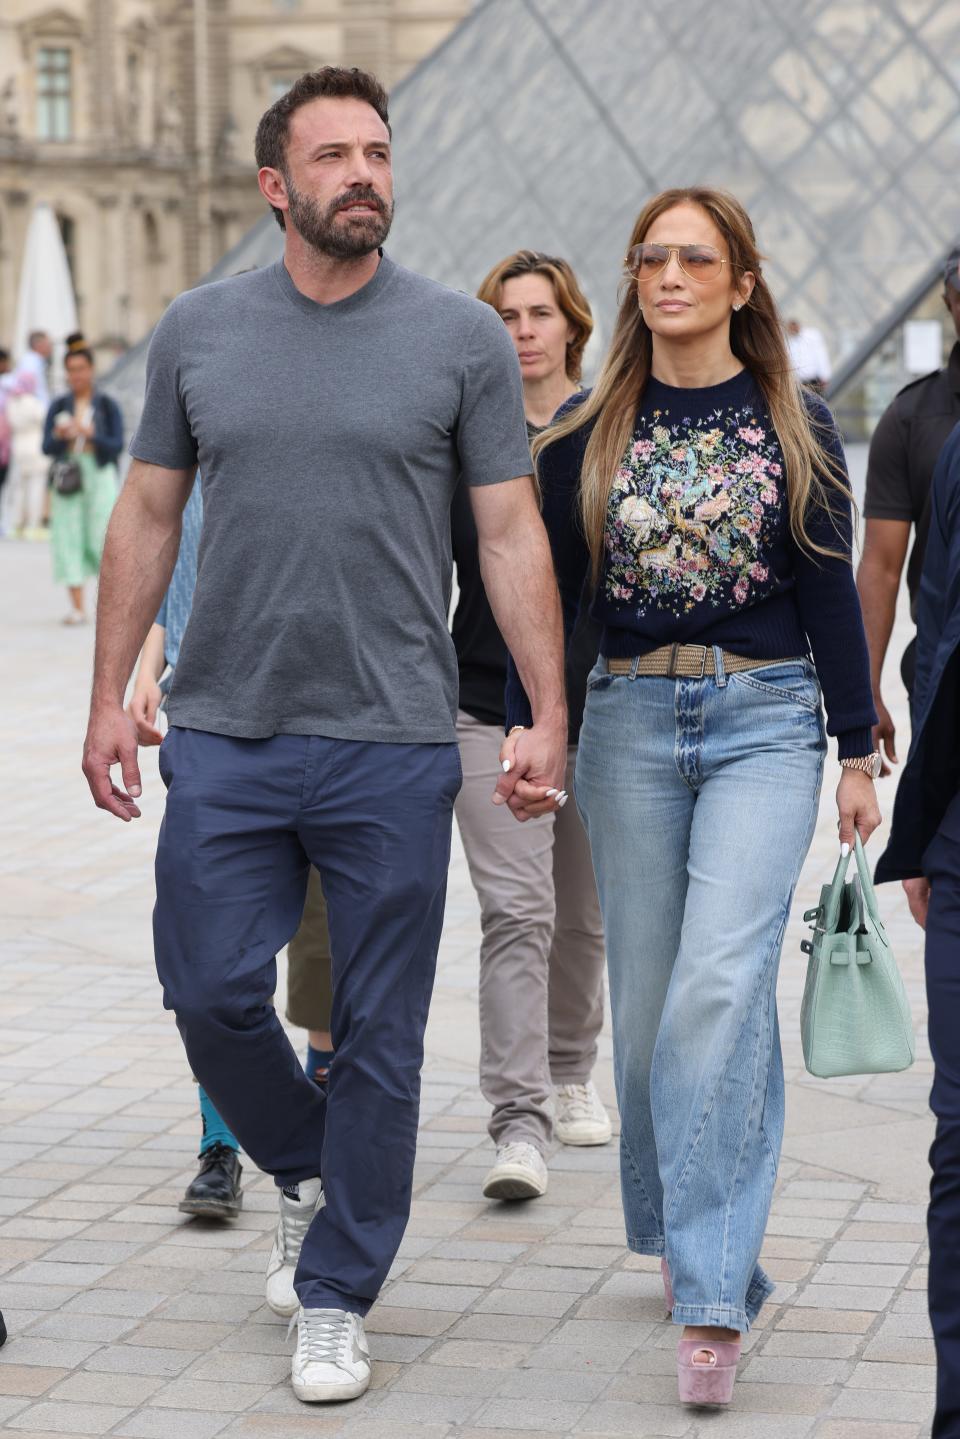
x,y
924,852
903,453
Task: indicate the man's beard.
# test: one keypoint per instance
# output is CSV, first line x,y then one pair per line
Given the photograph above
x,y
341,239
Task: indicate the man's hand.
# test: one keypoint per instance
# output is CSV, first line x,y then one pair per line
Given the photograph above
x,y
857,805
112,739
884,736
142,709
534,762
918,898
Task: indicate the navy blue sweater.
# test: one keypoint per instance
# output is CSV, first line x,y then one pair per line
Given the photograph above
x,y
698,547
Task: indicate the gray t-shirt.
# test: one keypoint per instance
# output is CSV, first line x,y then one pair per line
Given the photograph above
x,y
330,439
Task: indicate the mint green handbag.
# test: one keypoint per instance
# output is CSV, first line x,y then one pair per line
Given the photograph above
x,y
855,1017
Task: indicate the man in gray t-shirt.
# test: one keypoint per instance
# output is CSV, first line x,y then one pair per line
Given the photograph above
x,y
332,402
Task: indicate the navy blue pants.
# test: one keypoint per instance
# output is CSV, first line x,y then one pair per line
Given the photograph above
x,y
942,866
244,819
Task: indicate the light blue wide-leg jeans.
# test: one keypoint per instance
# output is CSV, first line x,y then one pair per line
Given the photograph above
x,y
700,799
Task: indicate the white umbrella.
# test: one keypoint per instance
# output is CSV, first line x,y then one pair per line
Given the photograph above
x,y
45,300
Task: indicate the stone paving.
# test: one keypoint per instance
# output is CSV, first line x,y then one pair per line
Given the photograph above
x,y
127,1318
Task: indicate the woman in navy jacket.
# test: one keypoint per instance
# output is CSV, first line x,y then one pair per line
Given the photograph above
x,y
85,426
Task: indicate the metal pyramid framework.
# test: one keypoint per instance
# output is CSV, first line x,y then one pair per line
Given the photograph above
x,y
548,123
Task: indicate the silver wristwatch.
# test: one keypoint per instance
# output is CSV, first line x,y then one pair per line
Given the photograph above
x,y
870,764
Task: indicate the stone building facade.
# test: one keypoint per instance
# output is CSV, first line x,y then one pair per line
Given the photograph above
x,y
134,120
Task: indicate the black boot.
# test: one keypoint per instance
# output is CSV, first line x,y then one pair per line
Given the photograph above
x,y
216,1192
3,1332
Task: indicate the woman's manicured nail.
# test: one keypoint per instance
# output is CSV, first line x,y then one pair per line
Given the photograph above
x,y
505,766
562,801
844,850
551,793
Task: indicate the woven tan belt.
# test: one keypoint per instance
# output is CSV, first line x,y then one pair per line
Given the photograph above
x,y
688,662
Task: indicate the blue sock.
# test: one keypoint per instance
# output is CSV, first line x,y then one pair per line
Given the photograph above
x,y
215,1129
318,1064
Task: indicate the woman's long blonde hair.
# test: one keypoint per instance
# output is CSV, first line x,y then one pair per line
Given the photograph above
x,y
756,338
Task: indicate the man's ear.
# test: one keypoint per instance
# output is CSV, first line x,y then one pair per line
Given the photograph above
x,y
273,187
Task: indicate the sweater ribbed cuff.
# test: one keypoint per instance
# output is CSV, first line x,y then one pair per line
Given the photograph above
x,y
854,743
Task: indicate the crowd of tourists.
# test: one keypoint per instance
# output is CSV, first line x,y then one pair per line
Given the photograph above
x,y
654,640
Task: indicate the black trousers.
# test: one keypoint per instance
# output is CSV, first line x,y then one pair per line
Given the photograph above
x,y
942,866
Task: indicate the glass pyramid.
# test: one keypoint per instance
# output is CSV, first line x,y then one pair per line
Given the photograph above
x,y
548,123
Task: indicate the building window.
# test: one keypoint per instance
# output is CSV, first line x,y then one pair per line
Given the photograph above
x,y
54,93
279,85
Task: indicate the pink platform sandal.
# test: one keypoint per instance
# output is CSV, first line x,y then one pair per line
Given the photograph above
x,y
711,1380
667,1287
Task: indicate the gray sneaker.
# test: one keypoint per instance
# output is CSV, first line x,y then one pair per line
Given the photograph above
x,y
332,1358
518,1172
581,1117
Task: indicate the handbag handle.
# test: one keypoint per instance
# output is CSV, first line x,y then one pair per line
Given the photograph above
x,y
831,913
866,883
834,897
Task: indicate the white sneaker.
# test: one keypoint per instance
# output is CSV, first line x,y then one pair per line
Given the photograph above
x,y
332,1359
518,1172
581,1117
298,1204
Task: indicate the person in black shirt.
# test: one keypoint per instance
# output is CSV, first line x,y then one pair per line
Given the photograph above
x,y
903,453
923,852
541,956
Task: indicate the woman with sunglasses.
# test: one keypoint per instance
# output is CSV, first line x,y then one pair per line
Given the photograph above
x,y
715,520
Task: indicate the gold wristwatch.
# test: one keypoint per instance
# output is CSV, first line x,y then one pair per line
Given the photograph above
x,y
870,764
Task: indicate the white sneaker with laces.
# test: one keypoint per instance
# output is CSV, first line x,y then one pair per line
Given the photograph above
x,y
332,1358
298,1204
518,1172
581,1117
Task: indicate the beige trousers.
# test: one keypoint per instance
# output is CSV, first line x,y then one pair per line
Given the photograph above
x,y
309,984
541,954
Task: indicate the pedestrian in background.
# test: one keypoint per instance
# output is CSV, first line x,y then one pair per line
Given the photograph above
x,y
904,451
27,489
924,852
809,356
541,952
84,425
706,495
5,367
35,361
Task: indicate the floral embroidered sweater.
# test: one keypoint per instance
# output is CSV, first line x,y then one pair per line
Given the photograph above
x,y
698,547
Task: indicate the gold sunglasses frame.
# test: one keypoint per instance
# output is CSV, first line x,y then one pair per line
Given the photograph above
x,y
671,251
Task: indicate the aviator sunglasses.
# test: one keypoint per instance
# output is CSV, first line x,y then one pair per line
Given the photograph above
x,y
698,262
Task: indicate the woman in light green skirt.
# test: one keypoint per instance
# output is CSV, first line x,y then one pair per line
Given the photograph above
x,y
86,426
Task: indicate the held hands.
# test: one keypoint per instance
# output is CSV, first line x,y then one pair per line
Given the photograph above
x,y
534,762
112,739
857,804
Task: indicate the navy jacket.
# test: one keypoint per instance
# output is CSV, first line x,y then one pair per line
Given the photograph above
x,y
107,428
931,778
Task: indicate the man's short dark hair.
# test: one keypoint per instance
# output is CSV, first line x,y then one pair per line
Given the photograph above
x,y
35,336
334,82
